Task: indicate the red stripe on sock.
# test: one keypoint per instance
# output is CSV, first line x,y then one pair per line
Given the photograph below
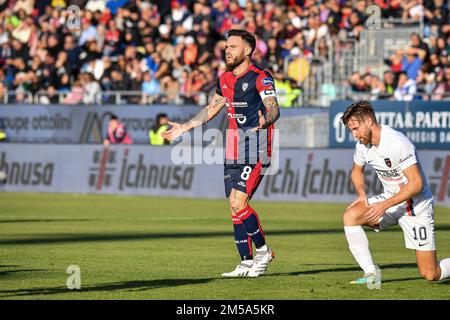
x,y
245,213
259,224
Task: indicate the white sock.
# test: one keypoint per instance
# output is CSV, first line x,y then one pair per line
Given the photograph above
x,y
445,268
262,249
247,262
359,246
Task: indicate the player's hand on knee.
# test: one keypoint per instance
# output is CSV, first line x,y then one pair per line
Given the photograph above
x,y
361,199
376,212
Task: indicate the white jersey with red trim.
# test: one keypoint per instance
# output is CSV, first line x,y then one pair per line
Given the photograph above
x,y
394,154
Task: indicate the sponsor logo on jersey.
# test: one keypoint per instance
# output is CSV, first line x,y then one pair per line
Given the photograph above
x,y
388,162
240,118
267,81
389,175
239,104
406,158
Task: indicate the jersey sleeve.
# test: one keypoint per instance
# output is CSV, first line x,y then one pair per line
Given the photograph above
x,y
265,85
407,155
218,88
359,156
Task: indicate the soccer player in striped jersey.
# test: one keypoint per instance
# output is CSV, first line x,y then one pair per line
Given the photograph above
x,y
248,93
406,201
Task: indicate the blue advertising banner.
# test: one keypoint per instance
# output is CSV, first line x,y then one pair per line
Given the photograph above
x,y
425,123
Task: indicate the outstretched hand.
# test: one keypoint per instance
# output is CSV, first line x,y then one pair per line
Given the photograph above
x,y
262,122
174,132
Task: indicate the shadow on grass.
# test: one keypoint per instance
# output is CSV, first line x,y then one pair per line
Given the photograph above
x,y
62,238
9,272
94,237
145,285
401,280
44,220
342,269
128,286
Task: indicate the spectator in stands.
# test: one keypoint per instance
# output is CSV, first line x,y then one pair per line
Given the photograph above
x,y
417,42
76,95
117,133
161,125
150,88
299,67
88,33
413,9
389,84
91,89
357,83
411,60
443,86
377,87
406,88
174,34
287,90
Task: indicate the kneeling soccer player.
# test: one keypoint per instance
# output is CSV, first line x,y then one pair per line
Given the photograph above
x,y
406,201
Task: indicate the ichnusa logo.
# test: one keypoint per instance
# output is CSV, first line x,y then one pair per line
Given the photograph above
x,y
132,172
104,166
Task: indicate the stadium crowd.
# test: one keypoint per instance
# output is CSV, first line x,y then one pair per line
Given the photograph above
x,y
171,50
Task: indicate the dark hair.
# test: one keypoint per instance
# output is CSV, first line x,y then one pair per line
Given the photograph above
x,y
113,117
160,116
360,110
244,35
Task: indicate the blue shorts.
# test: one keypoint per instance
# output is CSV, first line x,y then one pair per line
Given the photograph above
x,y
243,177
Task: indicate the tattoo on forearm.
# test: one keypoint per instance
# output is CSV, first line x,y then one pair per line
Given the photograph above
x,y
272,110
206,113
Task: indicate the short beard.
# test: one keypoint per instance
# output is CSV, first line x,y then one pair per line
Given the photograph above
x,y
236,62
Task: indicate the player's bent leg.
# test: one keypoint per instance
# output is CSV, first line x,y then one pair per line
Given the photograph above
x,y
357,216
354,218
429,268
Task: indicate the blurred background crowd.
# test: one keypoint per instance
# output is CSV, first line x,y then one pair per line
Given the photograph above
x,y
172,51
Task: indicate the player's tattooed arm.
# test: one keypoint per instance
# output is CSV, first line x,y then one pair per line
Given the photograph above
x,y
272,113
206,114
272,110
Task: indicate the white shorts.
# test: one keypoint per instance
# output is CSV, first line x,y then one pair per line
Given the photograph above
x,y
417,226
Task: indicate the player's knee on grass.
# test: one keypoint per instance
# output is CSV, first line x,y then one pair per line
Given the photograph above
x,y
430,274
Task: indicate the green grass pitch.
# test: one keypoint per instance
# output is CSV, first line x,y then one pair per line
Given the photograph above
x,y
170,248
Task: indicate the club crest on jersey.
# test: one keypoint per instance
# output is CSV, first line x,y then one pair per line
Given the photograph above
x,y
267,81
245,86
388,162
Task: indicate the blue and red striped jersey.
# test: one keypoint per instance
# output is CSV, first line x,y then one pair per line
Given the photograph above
x,y
244,96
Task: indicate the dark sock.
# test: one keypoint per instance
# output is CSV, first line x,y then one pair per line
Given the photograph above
x,y
243,240
250,219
